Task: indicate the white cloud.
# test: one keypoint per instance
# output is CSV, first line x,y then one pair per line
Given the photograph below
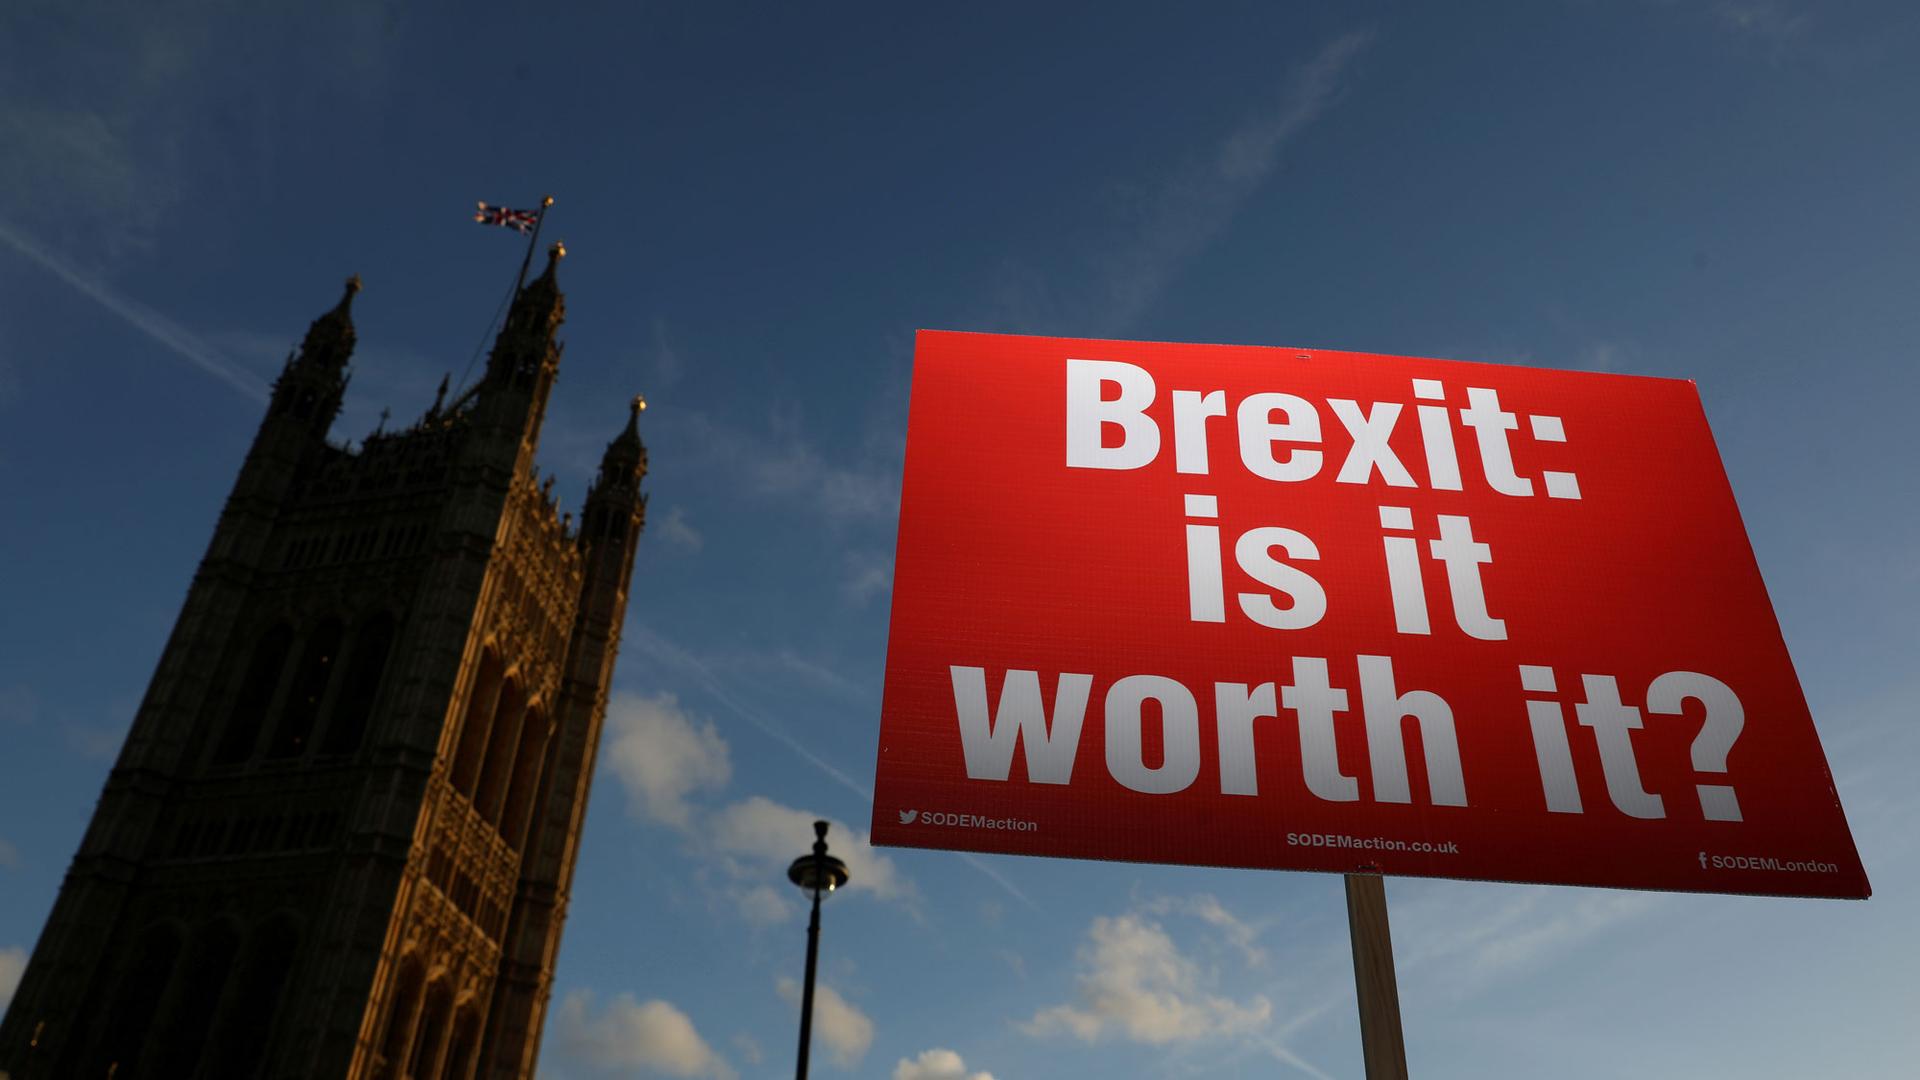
x,y
1136,983
1015,960
77,160
937,1064
630,1034
1604,356
868,574
99,742
763,905
772,835
662,755
13,962
1209,910
1772,22
749,1048
657,648
675,529
668,364
104,144
845,1029
787,465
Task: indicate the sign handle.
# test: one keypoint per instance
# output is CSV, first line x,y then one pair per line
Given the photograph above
x,y
1373,982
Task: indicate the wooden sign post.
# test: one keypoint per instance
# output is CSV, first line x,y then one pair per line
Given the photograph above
x,y
1373,982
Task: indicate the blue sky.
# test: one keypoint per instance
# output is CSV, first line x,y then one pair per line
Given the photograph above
x,y
762,203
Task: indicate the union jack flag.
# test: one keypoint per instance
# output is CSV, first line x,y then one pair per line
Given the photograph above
x,y
520,220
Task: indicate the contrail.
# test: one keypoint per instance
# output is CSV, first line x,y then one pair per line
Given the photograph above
x,y
980,864
143,318
1282,1054
659,648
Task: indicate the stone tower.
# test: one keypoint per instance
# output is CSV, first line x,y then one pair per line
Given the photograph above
x,y
340,837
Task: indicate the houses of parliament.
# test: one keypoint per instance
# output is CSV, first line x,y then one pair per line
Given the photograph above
x,y
340,838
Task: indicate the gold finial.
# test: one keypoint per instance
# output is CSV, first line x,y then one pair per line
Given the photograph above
x,y
353,284
557,250
546,200
639,404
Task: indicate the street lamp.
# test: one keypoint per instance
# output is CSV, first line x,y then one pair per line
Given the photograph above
x,y
818,874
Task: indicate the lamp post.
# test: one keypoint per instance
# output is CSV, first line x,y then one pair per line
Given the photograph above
x,y
817,874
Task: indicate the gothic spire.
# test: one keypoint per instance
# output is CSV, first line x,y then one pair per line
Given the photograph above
x,y
313,382
541,296
629,438
537,312
626,458
615,505
331,338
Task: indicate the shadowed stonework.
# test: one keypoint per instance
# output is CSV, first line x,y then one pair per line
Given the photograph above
x,y
339,839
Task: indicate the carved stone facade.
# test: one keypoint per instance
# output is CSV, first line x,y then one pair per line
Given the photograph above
x,y
340,837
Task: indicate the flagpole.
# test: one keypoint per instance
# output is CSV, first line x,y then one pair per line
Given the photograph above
x,y
519,283
532,242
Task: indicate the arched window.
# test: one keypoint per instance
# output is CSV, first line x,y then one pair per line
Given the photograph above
x,y
347,722
430,1044
481,699
403,1014
466,1040
535,735
236,1051
501,743
317,663
256,696
135,1003
194,997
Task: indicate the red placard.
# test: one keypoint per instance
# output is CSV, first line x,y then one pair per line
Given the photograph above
x,y
1333,611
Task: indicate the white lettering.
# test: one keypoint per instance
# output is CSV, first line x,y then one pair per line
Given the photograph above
x,y
1206,593
1613,724
1436,437
1259,432
1550,749
1490,425
1235,709
1370,448
1725,719
1462,556
1385,708
1190,412
1089,413
1403,573
1021,716
1313,698
1179,735
1252,552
